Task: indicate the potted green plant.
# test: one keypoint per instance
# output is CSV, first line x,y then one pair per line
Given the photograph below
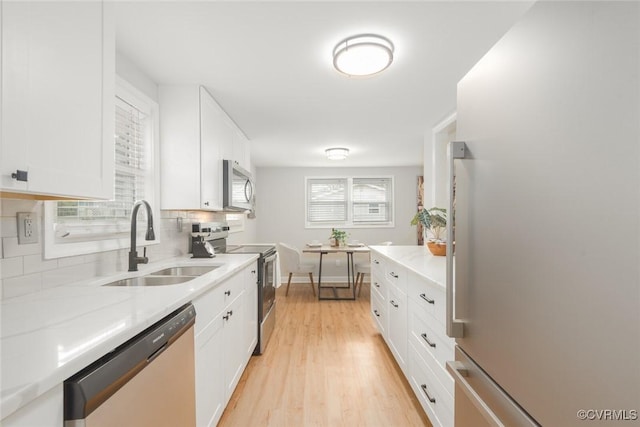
x,y
338,237
433,220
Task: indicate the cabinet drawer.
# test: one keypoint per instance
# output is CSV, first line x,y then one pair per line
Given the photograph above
x,y
436,401
397,276
378,285
429,296
377,264
435,348
379,312
210,304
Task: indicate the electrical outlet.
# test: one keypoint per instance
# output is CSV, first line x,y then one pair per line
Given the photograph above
x,y
27,228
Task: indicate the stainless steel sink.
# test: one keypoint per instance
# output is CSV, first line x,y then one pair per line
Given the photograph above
x,y
166,276
151,281
193,271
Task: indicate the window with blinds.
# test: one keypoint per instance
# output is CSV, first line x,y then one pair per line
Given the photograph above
x,y
86,226
349,202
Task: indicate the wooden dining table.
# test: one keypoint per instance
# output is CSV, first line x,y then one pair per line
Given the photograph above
x,y
350,250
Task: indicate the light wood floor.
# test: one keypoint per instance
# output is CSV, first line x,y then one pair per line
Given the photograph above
x,y
325,365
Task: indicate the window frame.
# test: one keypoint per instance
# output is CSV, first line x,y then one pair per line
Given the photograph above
x,y
349,223
54,249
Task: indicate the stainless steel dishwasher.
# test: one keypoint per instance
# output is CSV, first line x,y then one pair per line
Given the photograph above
x,y
147,381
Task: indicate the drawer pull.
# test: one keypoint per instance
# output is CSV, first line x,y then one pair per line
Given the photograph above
x,y
394,275
227,293
393,303
375,261
426,393
431,344
226,317
376,313
230,312
376,284
430,301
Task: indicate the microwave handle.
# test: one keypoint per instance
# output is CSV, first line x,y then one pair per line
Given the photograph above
x,y
248,186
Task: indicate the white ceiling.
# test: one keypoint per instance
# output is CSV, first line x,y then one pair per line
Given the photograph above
x,y
269,65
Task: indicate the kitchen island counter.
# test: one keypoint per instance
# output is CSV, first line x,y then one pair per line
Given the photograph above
x,y
50,335
417,259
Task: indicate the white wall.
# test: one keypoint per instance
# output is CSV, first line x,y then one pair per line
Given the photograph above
x,y
281,203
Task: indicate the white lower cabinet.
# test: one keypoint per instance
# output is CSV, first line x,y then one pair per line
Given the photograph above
x,y
408,310
223,316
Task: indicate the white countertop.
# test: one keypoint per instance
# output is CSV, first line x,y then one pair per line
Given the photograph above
x,y
48,336
417,259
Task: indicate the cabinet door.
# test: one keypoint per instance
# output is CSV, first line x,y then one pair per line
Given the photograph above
x,y
397,318
179,147
210,389
234,360
251,311
58,61
214,134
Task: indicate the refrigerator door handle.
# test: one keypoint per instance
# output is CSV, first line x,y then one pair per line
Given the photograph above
x,y
455,328
459,372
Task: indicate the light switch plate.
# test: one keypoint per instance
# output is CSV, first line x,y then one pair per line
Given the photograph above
x,y
27,228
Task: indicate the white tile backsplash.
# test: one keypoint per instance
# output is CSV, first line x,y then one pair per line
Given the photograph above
x,y
8,227
11,267
36,264
21,285
11,248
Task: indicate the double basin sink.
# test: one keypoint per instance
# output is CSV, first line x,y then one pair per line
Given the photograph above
x,y
166,276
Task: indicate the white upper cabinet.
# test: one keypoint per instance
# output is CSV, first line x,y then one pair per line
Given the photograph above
x,y
195,136
58,74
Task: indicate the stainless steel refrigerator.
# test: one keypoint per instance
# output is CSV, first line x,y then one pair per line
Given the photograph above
x,y
545,299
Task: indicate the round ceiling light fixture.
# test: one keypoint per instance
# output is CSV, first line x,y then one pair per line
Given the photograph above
x,y
363,55
337,153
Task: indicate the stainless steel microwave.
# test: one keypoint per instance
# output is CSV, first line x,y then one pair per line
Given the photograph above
x,y
237,193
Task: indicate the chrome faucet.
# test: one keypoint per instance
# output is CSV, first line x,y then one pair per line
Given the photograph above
x,y
134,259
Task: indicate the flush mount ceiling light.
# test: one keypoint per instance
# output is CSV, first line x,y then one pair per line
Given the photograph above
x,y
363,55
337,153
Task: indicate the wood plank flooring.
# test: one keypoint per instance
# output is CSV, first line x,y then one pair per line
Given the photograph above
x,y
325,365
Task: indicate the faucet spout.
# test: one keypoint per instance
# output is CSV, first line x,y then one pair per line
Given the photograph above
x,y
134,259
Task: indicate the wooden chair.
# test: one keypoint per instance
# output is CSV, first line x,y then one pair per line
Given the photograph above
x,y
290,262
362,268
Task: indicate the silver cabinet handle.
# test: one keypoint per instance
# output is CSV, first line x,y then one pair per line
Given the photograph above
x,y
431,344
455,328
458,372
376,284
426,393
424,297
375,261
393,303
376,313
394,275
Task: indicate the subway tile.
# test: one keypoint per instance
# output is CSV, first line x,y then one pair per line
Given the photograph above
x,y
22,285
8,227
67,275
11,267
35,264
71,260
11,248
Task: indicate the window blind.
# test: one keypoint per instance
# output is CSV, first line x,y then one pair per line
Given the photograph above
x,y
327,200
371,199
